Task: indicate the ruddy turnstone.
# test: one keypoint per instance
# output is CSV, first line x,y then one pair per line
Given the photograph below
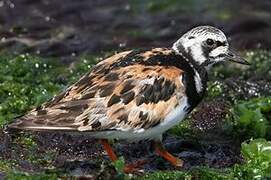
x,y
137,94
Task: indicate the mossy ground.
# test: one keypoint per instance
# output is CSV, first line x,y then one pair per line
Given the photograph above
x,y
27,81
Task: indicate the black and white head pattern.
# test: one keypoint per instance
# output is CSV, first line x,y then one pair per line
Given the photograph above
x,y
206,45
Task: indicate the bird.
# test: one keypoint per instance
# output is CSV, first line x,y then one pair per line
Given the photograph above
x,y
136,94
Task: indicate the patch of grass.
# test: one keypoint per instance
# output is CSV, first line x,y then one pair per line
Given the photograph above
x,y
183,129
249,118
119,166
5,165
28,151
167,175
214,89
25,81
26,140
257,154
10,170
28,81
26,176
45,160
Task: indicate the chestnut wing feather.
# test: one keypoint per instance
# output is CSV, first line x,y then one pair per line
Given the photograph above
x,y
132,96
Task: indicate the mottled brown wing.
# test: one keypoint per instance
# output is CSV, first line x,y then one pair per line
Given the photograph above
x,y
115,95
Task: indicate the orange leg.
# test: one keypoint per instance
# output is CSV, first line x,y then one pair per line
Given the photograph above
x,y
159,149
130,168
134,167
109,150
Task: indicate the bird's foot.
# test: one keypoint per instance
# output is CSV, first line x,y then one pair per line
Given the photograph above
x,y
166,155
135,167
178,162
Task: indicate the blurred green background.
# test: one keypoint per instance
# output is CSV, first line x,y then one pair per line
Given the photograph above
x,y
47,45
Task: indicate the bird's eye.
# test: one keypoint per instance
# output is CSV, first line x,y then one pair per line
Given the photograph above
x,y
210,42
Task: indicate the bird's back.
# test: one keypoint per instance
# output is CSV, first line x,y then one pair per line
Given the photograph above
x,y
133,91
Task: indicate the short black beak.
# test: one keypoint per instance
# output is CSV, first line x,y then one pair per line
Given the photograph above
x,y
236,58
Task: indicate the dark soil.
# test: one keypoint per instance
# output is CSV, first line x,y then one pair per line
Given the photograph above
x,y
71,28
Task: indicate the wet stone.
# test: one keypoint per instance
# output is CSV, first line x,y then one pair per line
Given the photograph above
x,y
242,89
62,29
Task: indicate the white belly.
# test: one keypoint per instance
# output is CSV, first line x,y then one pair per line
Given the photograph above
x,y
172,119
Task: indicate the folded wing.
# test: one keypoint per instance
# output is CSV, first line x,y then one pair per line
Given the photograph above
x,y
112,96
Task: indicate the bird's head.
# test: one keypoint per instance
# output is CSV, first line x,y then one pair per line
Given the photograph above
x,y
206,45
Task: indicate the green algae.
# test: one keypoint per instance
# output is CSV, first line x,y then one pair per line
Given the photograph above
x,y
250,118
183,129
167,175
257,154
26,176
214,89
27,81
